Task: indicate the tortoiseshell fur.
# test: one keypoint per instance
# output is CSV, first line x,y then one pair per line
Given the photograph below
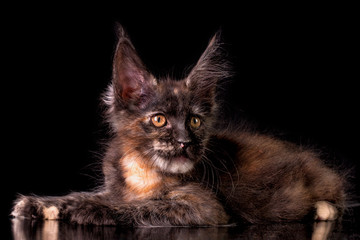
x,y
185,175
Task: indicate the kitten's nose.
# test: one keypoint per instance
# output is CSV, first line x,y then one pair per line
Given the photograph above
x,y
184,142
181,135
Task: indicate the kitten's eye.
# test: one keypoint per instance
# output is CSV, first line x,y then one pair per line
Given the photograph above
x,y
159,120
195,122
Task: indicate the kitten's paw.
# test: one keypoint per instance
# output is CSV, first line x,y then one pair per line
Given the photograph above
x,y
325,211
33,207
19,208
51,213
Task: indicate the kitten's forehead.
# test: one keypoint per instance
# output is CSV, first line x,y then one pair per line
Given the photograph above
x,y
175,98
174,95
173,87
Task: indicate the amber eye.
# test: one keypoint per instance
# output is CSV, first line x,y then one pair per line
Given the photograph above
x,y
195,122
159,120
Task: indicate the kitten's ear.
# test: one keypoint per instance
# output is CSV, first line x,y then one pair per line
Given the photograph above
x,y
132,83
210,68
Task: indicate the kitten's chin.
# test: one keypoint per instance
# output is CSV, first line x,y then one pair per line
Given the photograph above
x,y
175,165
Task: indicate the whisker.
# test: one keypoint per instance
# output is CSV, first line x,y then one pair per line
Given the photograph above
x,y
225,169
214,173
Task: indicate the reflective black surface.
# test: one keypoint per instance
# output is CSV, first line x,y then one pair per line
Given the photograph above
x,y
348,228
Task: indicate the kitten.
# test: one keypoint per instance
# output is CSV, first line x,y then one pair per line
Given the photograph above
x,y
169,163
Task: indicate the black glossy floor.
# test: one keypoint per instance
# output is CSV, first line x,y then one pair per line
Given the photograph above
x,y
348,228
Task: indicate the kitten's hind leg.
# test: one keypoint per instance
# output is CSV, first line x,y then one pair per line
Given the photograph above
x,y
325,211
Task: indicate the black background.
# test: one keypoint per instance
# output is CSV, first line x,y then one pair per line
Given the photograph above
x,y
296,76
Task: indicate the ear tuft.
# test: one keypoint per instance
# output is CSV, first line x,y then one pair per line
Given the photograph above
x,y
120,31
211,67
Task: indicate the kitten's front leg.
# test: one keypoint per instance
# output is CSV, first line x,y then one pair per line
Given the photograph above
x,y
185,206
192,205
188,205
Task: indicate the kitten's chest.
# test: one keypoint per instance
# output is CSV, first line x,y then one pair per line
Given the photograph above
x,y
141,181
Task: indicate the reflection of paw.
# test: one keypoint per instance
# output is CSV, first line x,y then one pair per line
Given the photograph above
x,y
325,211
322,230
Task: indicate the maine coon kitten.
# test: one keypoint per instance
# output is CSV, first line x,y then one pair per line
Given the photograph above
x,y
169,162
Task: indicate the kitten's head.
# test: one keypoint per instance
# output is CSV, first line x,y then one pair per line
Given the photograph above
x,y
166,122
